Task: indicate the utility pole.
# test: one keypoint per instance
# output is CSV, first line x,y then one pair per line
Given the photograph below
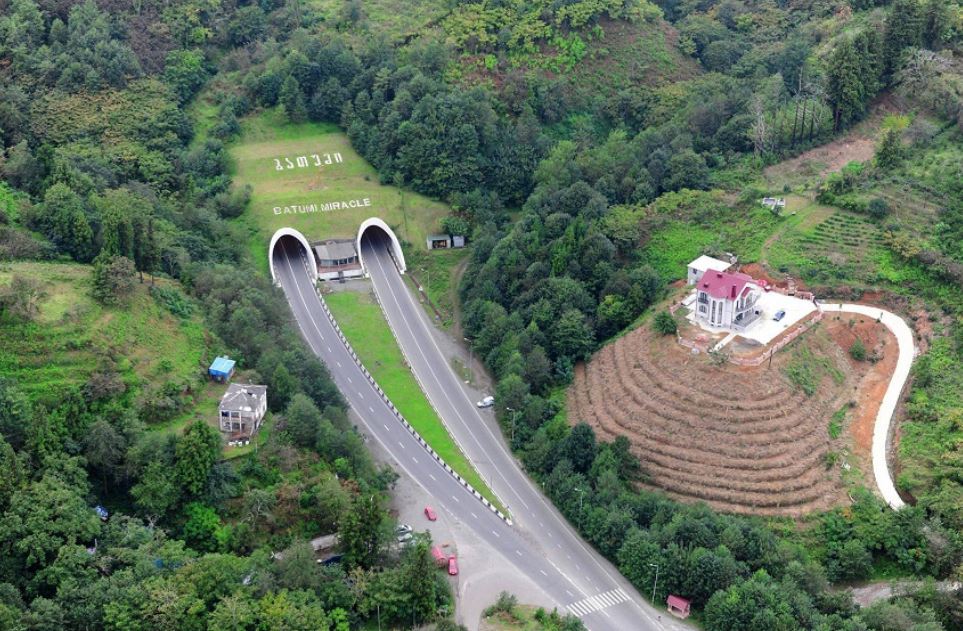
x,y
515,412
468,341
427,285
656,582
581,497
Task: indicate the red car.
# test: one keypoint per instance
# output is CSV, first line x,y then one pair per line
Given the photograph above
x,y
430,513
452,566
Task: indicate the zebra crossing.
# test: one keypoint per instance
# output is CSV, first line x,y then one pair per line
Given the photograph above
x,y
598,602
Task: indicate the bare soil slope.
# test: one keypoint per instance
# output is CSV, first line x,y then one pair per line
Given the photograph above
x,y
744,440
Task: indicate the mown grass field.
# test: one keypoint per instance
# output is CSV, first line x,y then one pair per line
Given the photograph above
x,y
73,336
267,137
364,325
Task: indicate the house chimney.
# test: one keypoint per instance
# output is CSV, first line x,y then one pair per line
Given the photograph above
x,y
733,292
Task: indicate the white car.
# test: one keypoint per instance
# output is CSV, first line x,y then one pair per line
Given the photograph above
x,y
487,402
405,538
402,529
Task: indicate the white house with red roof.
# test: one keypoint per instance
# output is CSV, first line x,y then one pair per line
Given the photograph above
x,y
726,300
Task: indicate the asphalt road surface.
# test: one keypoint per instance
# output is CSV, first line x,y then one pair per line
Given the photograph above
x,y
541,545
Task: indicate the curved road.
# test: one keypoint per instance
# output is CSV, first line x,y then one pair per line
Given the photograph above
x,y
887,407
541,546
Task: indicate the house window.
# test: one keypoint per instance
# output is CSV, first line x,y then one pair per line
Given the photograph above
x,y
703,297
702,309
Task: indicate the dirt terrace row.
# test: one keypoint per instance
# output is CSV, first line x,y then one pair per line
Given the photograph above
x,y
740,439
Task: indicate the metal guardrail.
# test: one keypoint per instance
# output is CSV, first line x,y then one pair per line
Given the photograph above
x,y
397,413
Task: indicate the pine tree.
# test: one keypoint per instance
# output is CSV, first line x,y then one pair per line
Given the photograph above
x,y
904,28
869,50
937,23
890,150
845,85
292,100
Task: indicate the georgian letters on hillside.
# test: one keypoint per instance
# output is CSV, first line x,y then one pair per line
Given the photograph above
x,y
301,162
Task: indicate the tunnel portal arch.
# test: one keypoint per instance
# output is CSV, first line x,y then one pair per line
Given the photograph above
x,y
291,232
395,243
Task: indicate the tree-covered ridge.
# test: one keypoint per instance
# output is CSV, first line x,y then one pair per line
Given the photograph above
x,y
101,166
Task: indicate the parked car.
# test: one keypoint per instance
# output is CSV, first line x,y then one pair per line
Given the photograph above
x,y
430,513
439,556
403,529
779,315
404,538
452,566
487,402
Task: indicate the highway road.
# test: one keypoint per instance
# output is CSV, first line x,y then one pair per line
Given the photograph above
x,y
541,545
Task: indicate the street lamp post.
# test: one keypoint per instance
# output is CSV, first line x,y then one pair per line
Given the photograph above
x,y
427,285
656,581
514,412
468,341
581,497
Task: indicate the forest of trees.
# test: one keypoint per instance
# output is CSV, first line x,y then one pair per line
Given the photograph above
x,y
105,167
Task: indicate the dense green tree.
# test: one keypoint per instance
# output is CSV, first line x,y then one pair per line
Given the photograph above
x,y
47,514
363,530
904,29
63,219
156,492
302,420
197,451
247,25
104,449
890,151
292,100
579,447
202,529
112,279
185,71
844,88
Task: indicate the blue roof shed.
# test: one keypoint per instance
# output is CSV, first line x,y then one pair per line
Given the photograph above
x,y
222,368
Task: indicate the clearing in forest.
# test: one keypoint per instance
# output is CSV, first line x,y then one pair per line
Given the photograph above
x,y
760,440
308,177
74,341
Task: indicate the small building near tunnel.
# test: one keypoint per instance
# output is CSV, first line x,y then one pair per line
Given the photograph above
x,y
337,259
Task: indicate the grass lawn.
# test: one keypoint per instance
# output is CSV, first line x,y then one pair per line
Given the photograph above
x,y
364,325
268,140
435,270
73,336
522,618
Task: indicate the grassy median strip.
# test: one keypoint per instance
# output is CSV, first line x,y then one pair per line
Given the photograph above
x,y
363,323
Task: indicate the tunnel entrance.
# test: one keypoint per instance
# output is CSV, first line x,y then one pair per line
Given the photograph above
x,y
376,232
285,242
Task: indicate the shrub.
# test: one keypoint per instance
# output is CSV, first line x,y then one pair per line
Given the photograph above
x,y
664,323
878,208
858,350
505,604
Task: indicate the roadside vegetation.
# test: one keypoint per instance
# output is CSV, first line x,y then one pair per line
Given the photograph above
x,y
363,323
506,614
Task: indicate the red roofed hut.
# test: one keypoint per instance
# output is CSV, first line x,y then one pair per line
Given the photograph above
x,y
678,606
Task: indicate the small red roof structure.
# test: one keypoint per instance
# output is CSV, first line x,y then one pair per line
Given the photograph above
x,y
721,285
678,606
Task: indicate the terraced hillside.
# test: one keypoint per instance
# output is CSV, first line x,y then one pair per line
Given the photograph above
x,y
744,440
